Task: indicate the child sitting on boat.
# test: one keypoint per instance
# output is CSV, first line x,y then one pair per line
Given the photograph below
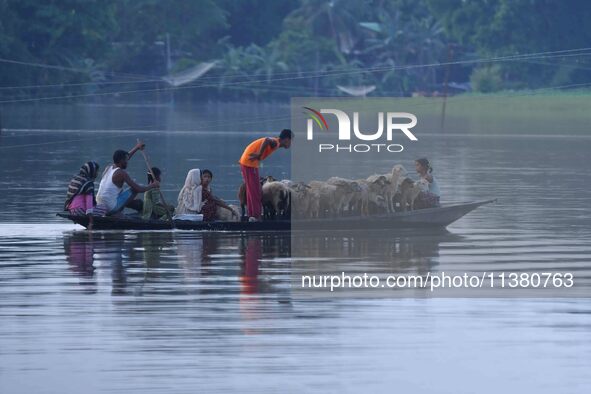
x,y
211,203
80,199
430,194
154,208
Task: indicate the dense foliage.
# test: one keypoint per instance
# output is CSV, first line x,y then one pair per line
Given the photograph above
x,y
281,48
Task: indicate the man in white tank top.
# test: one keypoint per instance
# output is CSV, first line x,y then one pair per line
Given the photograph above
x,y
111,195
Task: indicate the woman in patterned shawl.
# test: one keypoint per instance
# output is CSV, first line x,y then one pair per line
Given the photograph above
x,y
80,199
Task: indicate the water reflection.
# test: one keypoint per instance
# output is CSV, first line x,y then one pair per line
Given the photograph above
x,y
370,251
209,263
252,253
149,258
79,252
203,304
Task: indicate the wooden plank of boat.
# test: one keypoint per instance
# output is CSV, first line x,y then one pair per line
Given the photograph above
x,y
431,217
134,223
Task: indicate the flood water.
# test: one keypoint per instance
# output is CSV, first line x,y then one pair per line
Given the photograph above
x,y
199,312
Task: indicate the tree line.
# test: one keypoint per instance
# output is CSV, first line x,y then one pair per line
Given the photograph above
x,y
282,48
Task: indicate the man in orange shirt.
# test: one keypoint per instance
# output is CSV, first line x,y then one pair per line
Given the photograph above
x,y
250,160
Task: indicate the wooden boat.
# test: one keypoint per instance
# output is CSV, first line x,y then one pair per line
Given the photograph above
x,y
431,217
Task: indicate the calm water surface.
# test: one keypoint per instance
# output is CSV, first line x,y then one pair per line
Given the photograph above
x,y
193,312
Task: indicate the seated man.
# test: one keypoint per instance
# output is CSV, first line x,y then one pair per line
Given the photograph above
x,y
154,208
111,197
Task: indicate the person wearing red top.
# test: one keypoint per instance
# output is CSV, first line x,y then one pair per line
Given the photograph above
x,y
250,160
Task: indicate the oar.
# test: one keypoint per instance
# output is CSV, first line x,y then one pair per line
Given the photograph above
x,y
159,191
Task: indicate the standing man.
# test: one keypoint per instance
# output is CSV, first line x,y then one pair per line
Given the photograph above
x,y
111,195
254,153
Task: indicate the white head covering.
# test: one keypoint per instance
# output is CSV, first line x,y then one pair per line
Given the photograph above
x,y
190,197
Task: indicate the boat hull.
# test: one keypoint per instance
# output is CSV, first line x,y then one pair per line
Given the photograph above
x,y
430,217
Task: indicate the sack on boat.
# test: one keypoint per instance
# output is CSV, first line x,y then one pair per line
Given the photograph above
x,y
189,216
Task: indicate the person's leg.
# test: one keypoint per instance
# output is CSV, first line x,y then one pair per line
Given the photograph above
x,y
246,178
209,211
159,211
426,200
420,201
253,191
171,209
135,204
124,198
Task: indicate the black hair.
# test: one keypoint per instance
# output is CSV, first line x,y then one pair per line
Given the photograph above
x,y
206,171
119,155
425,163
156,172
286,134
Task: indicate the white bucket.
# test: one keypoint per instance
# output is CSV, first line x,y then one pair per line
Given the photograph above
x,y
190,217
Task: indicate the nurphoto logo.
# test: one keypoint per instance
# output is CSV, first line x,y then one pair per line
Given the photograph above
x,y
395,121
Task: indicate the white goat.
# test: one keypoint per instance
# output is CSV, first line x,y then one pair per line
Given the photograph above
x,y
409,191
378,188
345,193
301,200
395,179
275,198
287,182
323,197
227,216
360,197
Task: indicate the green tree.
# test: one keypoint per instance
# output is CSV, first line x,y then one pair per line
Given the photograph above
x,y
255,21
337,19
399,40
68,33
193,28
509,27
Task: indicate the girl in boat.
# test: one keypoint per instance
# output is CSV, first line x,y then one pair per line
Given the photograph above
x,y
211,202
429,197
80,199
154,208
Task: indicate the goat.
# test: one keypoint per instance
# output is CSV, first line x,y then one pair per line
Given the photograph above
x,y
395,179
227,216
409,191
275,199
323,197
242,193
301,199
344,194
378,186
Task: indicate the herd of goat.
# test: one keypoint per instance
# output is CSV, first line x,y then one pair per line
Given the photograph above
x,y
336,196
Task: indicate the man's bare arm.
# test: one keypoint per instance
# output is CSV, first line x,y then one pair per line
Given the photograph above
x,y
138,188
221,203
139,146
